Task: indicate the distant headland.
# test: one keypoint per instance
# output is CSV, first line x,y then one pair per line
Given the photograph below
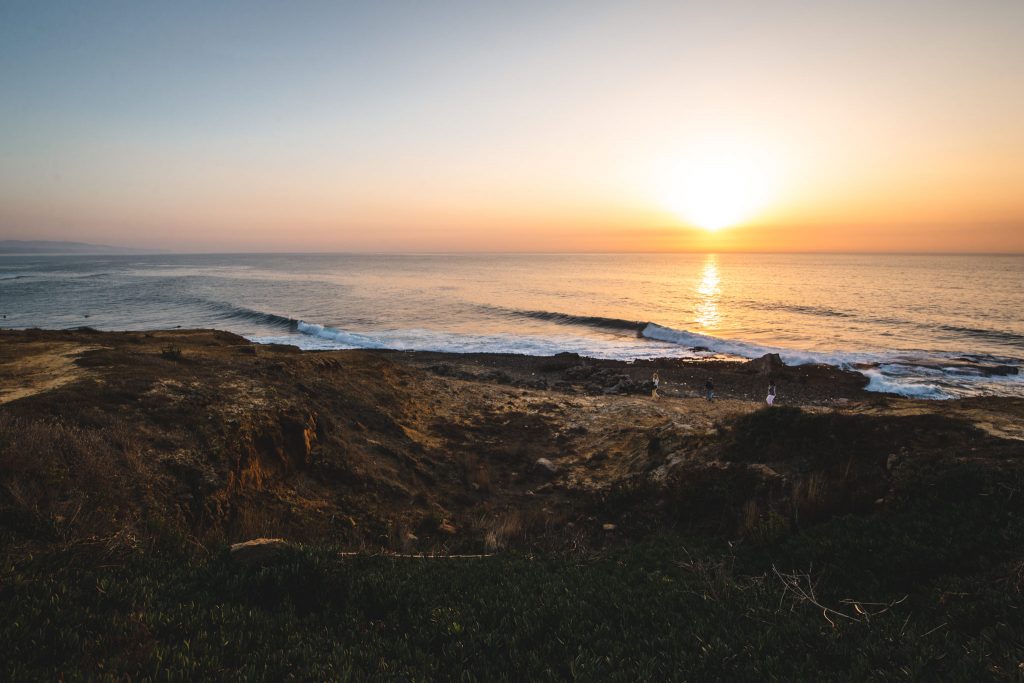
x,y
49,247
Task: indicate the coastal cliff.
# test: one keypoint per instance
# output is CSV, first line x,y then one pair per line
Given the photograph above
x,y
176,444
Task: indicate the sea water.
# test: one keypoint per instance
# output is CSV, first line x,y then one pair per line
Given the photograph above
x,y
921,325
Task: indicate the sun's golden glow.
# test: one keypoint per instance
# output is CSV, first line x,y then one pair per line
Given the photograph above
x,y
718,189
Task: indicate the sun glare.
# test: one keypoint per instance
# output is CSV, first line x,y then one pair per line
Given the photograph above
x,y
718,190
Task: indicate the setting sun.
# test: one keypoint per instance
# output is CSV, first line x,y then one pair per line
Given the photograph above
x,y
719,189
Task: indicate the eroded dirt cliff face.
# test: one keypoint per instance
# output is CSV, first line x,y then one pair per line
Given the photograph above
x,y
204,436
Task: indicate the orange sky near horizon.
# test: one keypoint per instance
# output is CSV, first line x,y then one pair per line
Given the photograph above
x,y
581,127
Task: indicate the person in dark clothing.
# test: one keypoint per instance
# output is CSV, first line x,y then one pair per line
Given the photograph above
x,y
709,390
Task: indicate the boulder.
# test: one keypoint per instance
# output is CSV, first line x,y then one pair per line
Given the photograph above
x,y
768,364
259,551
546,465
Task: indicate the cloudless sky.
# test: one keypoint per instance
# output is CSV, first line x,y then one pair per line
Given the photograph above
x,y
440,126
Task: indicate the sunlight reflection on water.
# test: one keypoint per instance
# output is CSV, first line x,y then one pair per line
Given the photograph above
x,y
709,291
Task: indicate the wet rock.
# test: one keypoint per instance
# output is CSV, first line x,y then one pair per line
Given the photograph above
x,y
1000,370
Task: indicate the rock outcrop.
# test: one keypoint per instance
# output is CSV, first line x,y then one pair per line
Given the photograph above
x,y
768,365
259,551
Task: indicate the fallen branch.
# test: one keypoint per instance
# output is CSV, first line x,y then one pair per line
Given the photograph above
x,y
802,588
415,556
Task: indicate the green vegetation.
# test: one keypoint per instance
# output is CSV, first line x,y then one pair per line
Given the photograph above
x,y
928,588
661,610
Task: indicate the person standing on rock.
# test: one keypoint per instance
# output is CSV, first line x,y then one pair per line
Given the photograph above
x,y
709,390
656,379
771,392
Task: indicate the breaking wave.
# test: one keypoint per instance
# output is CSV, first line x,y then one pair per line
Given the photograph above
x,y
912,374
569,319
248,315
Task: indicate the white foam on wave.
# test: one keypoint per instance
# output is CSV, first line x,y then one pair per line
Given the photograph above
x,y
319,337
880,382
896,373
746,350
341,338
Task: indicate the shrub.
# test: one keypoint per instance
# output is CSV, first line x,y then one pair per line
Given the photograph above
x,y
171,352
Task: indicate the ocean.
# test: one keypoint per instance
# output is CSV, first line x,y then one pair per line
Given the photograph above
x,y
918,325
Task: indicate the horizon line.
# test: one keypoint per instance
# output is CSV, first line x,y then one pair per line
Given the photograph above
x,y
146,251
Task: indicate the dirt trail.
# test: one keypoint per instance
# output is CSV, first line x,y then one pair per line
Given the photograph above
x,y
37,367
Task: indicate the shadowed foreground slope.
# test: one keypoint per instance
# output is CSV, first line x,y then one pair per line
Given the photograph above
x,y
672,538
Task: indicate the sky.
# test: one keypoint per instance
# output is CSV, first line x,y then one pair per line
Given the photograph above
x,y
528,126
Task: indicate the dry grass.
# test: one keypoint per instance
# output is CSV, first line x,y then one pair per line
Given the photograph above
x,y
528,528
474,472
70,480
504,530
257,521
810,497
762,523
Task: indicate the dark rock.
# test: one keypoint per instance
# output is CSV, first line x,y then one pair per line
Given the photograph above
x,y
768,364
582,371
499,376
560,362
1000,370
